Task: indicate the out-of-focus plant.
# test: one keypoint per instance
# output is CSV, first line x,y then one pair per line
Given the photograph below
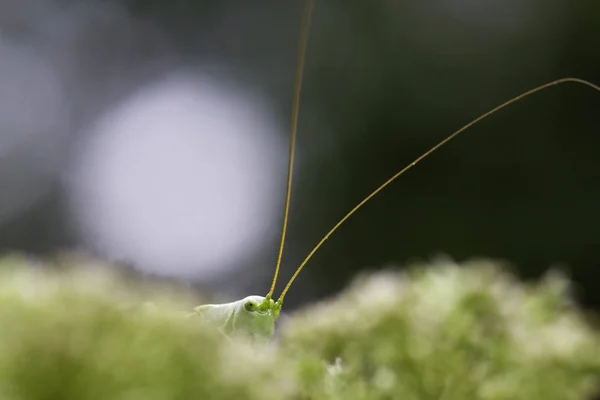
x,y
446,332
442,331
84,334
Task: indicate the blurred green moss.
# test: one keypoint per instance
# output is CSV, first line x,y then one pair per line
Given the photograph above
x,y
434,332
74,334
447,332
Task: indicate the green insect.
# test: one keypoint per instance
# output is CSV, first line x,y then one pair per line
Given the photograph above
x,y
255,316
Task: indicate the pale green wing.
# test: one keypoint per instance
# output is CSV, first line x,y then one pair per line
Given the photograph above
x,y
220,315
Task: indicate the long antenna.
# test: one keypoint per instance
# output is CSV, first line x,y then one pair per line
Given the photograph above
x,y
302,44
425,155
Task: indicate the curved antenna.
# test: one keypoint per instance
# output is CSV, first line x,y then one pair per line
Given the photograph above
x,y
425,155
302,44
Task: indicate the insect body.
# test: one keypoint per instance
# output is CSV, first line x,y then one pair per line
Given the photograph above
x,y
255,316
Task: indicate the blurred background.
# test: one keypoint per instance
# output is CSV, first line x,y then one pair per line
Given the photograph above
x,y
154,134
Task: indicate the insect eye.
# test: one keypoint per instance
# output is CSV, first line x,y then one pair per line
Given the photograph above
x,y
250,306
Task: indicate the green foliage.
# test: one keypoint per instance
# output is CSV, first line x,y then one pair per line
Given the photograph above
x,y
74,335
447,332
435,332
